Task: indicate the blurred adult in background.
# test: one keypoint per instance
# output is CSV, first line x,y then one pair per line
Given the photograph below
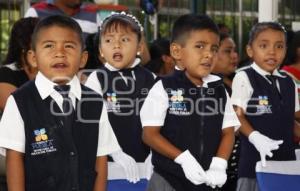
x,y
161,62
226,62
85,14
16,70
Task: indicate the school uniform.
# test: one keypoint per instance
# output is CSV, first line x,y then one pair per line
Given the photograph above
x,y
124,92
59,150
191,118
270,108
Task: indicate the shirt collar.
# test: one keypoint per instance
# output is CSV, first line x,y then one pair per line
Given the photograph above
x,y
111,68
262,72
208,79
46,87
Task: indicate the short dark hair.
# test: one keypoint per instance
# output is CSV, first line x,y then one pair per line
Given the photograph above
x,y
57,20
185,24
262,26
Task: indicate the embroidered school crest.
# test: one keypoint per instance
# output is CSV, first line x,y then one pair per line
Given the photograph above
x,y
263,105
112,103
42,144
177,104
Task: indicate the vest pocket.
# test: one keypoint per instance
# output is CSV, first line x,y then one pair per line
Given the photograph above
x,y
46,185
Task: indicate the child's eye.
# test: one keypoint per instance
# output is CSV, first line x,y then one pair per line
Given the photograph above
x,y
48,46
263,46
108,40
125,39
280,46
69,46
227,51
201,46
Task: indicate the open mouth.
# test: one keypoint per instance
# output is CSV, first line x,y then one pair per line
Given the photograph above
x,y
206,65
59,66
117,57
271,61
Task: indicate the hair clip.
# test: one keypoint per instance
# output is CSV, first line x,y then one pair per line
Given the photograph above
x,y
133,18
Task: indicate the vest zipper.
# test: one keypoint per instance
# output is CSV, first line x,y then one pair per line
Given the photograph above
x,y
202,97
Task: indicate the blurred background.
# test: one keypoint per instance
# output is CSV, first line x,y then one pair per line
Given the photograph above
x,y
237,15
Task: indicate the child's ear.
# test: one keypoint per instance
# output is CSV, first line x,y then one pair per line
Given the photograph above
x,y
31,58
83,60
249,51
175,51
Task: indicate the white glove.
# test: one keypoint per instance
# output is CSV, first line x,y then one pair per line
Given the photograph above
x,y
191,168
264,145
148,167
129,165
216,173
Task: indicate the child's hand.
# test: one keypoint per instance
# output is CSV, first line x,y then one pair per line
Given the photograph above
x,y
264,145
191,168
129,165
216,173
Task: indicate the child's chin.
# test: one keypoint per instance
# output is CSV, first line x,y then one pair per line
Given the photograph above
x,y
61,79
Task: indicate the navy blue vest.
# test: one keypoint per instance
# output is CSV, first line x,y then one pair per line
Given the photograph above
x,y
60,154
194,121
123,104
272,115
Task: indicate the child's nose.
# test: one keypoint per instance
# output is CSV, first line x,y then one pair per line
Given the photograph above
x,y
60,51
117,44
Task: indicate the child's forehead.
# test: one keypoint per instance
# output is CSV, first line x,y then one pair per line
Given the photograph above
x,y
270,34
55,31
203,35
118,28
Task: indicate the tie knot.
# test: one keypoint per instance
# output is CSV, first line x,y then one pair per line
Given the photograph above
x,y
63,90
127,72
272,78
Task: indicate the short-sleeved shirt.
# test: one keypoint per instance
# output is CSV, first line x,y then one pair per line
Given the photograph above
x,y
11,74
242,90
154,110
12,133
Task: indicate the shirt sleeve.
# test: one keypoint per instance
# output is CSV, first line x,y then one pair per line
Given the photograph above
x,y
230,118
12,134
93,83
155,107
31,12
241,90
107,141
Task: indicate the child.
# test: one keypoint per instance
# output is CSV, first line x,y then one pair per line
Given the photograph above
x,y
124,84
52,137
265,101
183,115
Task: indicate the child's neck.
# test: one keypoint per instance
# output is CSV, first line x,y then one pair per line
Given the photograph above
x,y
196,81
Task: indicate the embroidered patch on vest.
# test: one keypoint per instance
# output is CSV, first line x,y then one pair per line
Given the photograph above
x,y
42,143
177,103
263,105
113,105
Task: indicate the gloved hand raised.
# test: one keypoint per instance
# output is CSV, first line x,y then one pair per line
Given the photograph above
x,y
129,165
216,173
264,145
191,168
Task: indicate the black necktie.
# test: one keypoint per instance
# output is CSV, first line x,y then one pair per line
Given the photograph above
x,y
67,102
127,73
273,80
